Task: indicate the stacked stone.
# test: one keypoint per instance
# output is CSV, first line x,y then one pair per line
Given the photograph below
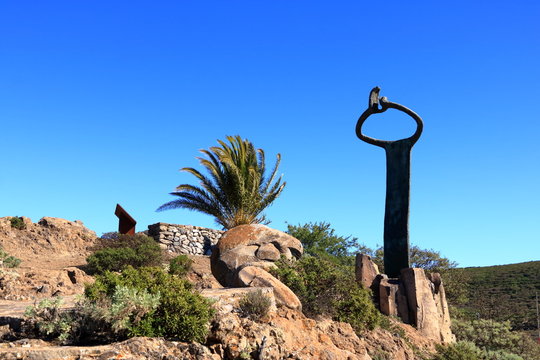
x,y
184,239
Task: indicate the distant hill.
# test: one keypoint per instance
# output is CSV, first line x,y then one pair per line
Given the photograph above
x,y
504,292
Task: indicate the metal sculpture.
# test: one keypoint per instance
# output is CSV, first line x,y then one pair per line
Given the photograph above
x,y
398,168
126,224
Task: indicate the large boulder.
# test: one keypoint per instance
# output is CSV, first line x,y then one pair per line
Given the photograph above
x,y
244,254
365,270
428,308
251,245
257,277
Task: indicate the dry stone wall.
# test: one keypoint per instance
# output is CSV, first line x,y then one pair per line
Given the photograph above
x,y
185,239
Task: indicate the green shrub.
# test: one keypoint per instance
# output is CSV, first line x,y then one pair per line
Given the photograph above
x,y
181,313
17,222
496,338
125,314
7,260
180,265
486,334
115,254
463,350
502,355
355,309
48,321
466,350
327,288
255,304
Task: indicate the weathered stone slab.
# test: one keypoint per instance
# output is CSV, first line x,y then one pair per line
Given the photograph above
x,y
257,277
268,252
388,298
430,319
365,270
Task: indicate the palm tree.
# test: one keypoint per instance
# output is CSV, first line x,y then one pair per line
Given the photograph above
x,y
236,190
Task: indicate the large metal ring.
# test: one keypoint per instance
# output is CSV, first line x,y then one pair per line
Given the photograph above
x,y
385,105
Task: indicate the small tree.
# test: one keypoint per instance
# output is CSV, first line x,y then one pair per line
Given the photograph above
x,y
237,189
319,239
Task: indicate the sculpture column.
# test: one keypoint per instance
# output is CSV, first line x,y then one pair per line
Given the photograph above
x,y
398,164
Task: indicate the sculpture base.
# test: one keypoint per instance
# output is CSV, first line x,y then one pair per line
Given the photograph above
x,y
416,298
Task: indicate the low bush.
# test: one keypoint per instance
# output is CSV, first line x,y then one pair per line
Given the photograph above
x,y
486,334
180,265
255,304
7,260
47,321
17,222
495,338
182,313
123,315
466,350
327,288
133,250
463,350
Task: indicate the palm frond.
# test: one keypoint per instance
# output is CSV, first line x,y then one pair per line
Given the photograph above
x,y
236,189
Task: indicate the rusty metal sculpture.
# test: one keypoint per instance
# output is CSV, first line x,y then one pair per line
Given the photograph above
x,y
398,167
126,224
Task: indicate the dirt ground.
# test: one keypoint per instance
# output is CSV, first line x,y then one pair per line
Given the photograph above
x,y
53,253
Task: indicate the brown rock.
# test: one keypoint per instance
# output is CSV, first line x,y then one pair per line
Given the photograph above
x,y
442,308
268,252
257,277
429,318
366,270
259,234
388,296
253,245
224,266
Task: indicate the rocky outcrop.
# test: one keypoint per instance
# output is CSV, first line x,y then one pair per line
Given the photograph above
x,y
245,253
285,335
47,240
427,304
253,245
258,277
365,270
184,239
32,284
51,250
416,298
281,334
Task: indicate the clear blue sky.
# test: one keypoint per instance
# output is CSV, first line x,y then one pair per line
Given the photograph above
x,y
102,102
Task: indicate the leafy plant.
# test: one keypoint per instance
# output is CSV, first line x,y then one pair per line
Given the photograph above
x,y
180,265
17,222
237,189
125,314
48,321
181,313
329,289
134,250
493,336
255,304
466,350
7,260
319,239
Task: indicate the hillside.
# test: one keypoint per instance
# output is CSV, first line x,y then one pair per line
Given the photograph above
x,y
504,292
53,253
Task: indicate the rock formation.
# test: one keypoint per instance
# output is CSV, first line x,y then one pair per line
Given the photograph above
x,y
243,255
417,299
366,270
50,250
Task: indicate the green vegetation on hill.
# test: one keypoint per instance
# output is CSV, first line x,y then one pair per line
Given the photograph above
x,y
503,293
